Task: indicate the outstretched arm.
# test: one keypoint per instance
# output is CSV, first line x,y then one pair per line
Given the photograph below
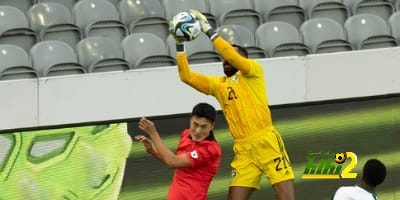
x,y
226,50
162,152
196,80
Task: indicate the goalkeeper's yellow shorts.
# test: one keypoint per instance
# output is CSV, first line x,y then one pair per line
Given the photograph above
x,y
261,154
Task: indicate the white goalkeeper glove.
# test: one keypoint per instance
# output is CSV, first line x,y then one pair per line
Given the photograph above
x,y
205,26
180,47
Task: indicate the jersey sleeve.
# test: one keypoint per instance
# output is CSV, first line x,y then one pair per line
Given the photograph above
x,y
204,154
340,194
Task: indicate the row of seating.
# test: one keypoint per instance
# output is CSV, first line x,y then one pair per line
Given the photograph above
x,y
53,21
92,54
317,35
249,13
139,50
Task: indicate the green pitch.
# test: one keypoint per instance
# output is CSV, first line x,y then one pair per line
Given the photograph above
x,y
367,128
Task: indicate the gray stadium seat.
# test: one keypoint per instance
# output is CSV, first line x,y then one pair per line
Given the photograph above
x,y
280,39
394,24
324,35
99,18
22,5
144,16
381,8
15,63
237,34
397,5
198,51
67,3
132,10
238,12
333,9
53,21
281,10
154,25
14,28
145,50
172,7
100,54
55,58
366,31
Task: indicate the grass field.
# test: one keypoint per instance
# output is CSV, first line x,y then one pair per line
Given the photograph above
x,y
369,128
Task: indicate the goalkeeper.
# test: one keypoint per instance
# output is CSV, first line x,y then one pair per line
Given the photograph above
x,y
258,147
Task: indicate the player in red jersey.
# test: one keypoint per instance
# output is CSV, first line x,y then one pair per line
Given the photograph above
x,y
197,158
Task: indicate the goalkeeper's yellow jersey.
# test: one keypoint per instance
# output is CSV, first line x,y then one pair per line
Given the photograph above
x,y
242,97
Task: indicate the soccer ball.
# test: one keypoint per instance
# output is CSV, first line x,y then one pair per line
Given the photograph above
x,y
185,26
340,158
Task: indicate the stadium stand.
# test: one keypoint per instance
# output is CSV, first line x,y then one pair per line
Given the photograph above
x,y
53,21
144,17
280,39
324,35
55,58
198,51
15,63
101,54
381,8
172,7
394,24
333,9
143,50
238,12
22,5
237,34
366,31
133,10
99,18
14,28
281,10
67,3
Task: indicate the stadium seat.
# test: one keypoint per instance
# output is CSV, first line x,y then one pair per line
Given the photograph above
x,y
53,21
324,35
397,5
144,16
55,58
67,3
172,7
15,63
154,25
198,51
333,9
99,18
100,54
237,34
145,50
14,28
238,12
132,10
281,10
381,8
366,31
22,5
280,39
394,24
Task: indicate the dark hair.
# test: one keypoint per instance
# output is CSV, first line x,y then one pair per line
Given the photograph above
x,y
374,172
205,110
242,50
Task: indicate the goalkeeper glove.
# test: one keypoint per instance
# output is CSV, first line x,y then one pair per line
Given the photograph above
x,y
180,47
205,26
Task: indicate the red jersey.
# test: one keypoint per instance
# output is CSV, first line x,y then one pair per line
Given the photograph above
x,y
191,183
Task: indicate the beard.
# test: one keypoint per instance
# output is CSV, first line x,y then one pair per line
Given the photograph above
x,y
229,70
